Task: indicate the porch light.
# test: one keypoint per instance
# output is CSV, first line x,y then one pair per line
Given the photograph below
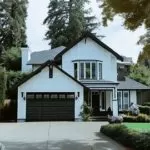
x,y
22,95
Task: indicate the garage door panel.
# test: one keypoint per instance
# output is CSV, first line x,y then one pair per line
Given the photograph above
x,y
41,107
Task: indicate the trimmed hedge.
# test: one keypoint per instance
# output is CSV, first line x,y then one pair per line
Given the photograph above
x,y
146,104
127,137
139,118
144,109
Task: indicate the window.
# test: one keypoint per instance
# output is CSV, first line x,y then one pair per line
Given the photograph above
x,y
50,71
119,96
125,99
94,71
88,70
38,96
100,71
81,70
75,70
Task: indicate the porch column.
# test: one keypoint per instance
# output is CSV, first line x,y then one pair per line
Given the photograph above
x,y
115,102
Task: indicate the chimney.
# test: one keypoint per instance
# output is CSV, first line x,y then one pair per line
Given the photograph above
x,y
25,54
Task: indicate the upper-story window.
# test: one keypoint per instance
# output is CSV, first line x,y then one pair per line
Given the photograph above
x,y
88,70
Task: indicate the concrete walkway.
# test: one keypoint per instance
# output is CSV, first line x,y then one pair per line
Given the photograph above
x,y
55,136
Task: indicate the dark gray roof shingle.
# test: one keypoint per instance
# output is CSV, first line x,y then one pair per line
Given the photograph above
x,y
43,56
131,84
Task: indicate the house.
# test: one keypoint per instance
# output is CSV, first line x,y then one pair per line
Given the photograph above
x,y
61,79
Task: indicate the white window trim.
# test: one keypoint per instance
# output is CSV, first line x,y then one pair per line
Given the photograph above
x,y
123,98
120,109
91,62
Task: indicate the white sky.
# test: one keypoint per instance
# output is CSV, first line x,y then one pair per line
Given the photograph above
x,y
119,39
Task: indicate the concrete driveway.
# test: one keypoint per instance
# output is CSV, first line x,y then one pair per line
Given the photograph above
x,y
55,136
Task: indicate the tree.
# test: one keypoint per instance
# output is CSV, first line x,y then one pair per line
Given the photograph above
x,y
12,23
3,80
140,73
134,12
67,20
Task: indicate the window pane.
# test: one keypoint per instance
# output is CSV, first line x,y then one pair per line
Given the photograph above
x,y
38,96
93,70
75,70
125,100
87,70
119,95
81,70
100,71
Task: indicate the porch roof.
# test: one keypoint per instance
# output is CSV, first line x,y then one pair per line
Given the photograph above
x,y
102,84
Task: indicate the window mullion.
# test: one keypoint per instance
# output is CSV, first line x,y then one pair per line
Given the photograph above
x,y
78,70
97,64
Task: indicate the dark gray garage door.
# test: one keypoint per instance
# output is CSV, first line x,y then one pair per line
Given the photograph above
x,y
50,106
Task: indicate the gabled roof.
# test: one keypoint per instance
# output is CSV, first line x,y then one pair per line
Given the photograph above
x,y
41,68
94,38
130,84
38,58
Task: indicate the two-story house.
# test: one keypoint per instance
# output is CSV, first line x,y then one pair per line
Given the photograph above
x,y
63,78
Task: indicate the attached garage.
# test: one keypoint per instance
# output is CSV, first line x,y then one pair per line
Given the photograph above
x,y
50,106
49,94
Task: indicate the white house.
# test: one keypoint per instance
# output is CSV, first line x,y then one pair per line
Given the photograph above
x,y
63,78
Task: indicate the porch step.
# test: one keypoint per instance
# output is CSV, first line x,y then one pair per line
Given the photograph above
x,y
99,118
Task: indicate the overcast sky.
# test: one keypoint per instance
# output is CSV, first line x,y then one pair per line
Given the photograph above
x,y
119,39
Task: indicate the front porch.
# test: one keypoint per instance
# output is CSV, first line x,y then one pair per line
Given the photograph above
x,y
102,95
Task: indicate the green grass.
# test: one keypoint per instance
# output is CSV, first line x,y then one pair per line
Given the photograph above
x,y
142,127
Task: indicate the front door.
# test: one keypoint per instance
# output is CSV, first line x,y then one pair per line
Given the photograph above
x,y
96,103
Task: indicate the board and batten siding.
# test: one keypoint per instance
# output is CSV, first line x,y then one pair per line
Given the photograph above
x,y
89,50
42,83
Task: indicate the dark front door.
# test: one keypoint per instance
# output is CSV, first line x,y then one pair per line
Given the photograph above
x,y
95,103
50,106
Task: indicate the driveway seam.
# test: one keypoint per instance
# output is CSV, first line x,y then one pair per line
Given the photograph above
x,y
48,135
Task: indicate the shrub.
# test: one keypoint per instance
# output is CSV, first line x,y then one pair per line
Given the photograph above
x,y
127,137
144,110
139,118
146,104
86,112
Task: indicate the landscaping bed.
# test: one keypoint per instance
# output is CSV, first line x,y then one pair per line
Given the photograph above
x,y
127,137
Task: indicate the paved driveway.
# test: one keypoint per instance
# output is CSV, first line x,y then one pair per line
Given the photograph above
x,y
55,136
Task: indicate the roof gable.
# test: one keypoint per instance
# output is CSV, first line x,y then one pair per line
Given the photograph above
x,y
94,38
32,74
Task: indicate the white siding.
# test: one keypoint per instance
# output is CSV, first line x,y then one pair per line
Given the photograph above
x,y
133,97
89,50
42,83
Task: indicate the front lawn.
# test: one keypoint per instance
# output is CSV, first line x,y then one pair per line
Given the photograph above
x,y
142,127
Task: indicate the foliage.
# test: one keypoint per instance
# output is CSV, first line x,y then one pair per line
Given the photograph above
x,y
140,73
3,80
13,78
139,118
86,112
146,104
12,23
11,59
145,109
67,20
134,12
127,137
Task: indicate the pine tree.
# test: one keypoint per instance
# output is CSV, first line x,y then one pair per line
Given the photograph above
x,y
12,23
67,20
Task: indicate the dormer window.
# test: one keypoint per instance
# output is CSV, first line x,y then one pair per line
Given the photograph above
x,y
88,70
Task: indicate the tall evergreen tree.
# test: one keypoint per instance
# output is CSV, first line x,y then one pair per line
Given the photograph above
x,y
67,20
12,23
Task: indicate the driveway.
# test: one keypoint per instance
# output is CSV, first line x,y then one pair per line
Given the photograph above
x,y
55,136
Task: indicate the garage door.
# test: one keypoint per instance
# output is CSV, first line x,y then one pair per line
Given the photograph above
x,y
50,106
